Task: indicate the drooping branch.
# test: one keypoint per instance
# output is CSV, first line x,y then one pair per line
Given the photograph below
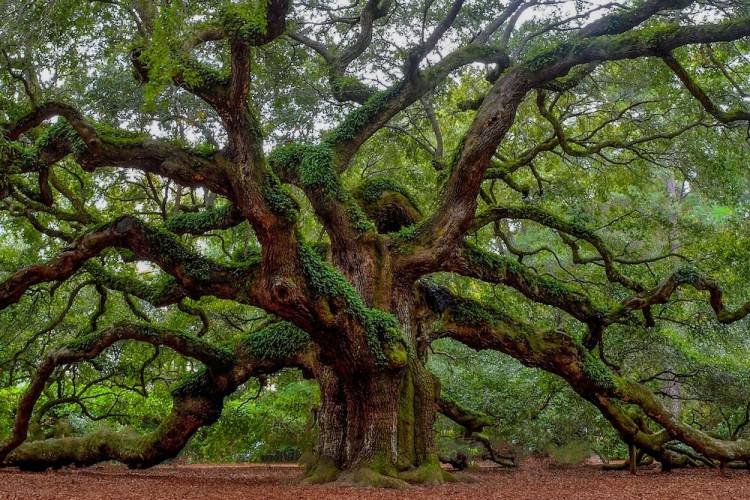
x,y
485,266
536,214
91,346
476,263
48,110
686,276
95,147
197,400
482,327
701,96
473,423
193,272
188,414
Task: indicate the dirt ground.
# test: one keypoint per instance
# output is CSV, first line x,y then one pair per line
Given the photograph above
x,y
532,481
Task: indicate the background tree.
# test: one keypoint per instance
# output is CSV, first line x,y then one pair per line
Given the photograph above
x,y
261,185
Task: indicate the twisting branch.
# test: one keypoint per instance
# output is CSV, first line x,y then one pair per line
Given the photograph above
x,y
48,110
701,96
476,263
547,219
91,346
483,327
372,11
443,231
378,107
360,124
473,423
94,148
689,276
197,401
200,313
346,87
581,150
192,271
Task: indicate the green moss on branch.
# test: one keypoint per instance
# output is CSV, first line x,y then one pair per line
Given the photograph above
x,y
312,166
372,189
219,217
382,330
361,117
277,341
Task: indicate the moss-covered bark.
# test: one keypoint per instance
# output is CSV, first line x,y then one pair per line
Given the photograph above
x,y
375,422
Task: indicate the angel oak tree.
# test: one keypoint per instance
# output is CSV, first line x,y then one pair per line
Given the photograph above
x,y
359,313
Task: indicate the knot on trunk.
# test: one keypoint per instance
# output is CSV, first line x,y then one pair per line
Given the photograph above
x,y
389,205
282,290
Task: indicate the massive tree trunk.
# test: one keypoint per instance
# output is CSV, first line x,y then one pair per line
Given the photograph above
x,y
375,423
375,426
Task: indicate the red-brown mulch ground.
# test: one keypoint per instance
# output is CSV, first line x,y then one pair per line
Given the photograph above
x,y
532,481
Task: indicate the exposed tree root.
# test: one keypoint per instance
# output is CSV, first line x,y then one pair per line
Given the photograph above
x,y
319,470
368,477
473,423
427,474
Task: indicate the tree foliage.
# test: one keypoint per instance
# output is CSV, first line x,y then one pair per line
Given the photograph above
x,y
297,219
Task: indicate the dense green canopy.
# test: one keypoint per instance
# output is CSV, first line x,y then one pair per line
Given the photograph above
x,y
528,216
